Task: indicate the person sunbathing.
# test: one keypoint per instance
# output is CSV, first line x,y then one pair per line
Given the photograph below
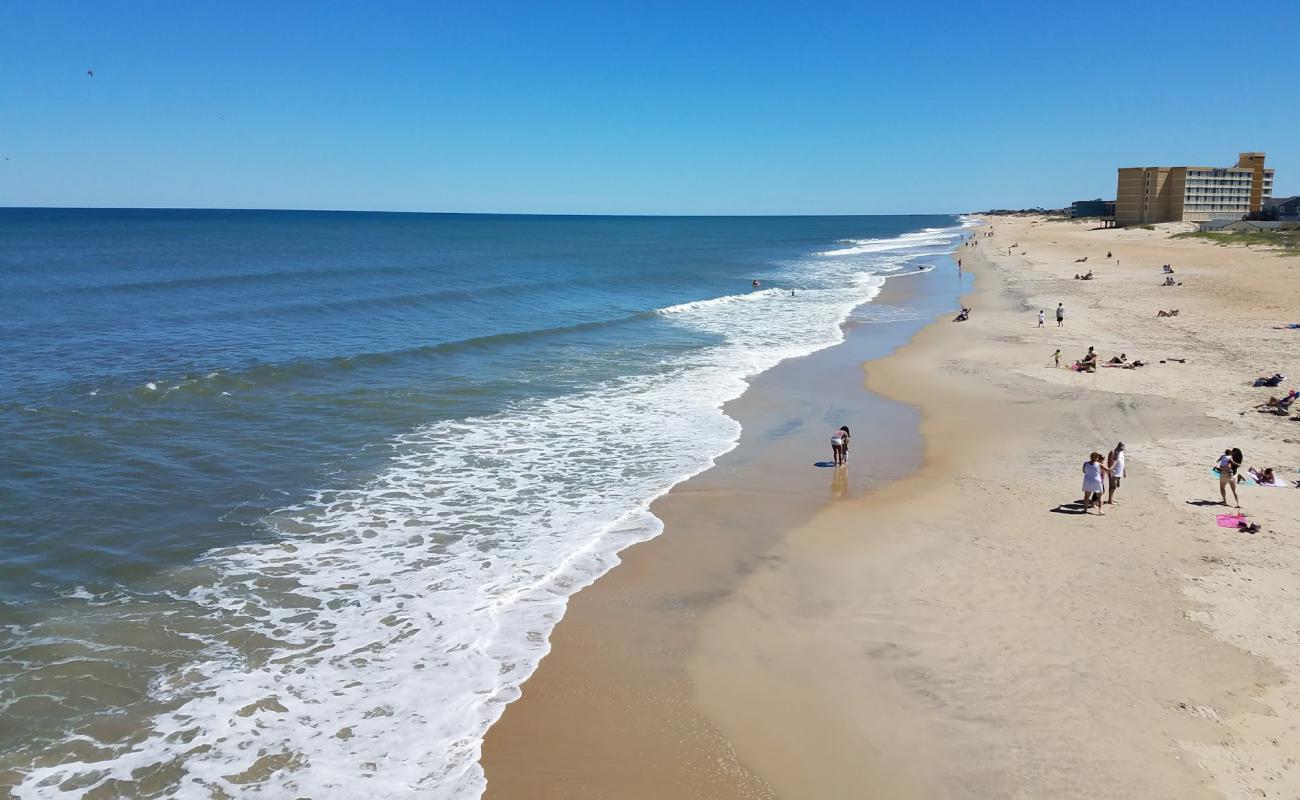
x,y
1264,477
1278,405
1088,363
1122,358
1163,313
1168,269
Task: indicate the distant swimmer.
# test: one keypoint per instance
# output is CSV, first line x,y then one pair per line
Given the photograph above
x,y
756,283
90,73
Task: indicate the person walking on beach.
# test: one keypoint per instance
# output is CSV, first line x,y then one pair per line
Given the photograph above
x,y
1042,317
1094,483
1228,464
1060,314
840,446
1118,466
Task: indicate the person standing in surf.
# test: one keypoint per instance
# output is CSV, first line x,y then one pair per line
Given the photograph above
x,y
840,446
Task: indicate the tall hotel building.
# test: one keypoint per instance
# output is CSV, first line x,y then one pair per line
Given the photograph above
x,y
1193,194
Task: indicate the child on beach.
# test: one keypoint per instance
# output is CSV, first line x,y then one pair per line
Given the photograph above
x,y
1042,317
1057,357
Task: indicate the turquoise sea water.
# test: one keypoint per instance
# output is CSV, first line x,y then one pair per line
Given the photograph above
x,y
291,500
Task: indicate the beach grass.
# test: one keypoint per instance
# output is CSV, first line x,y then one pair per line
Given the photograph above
x,y
1285,240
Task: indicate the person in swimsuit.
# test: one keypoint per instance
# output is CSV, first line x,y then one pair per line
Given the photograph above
x,y
1227,477
840,446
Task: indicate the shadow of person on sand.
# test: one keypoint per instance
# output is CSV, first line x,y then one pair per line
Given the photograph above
x,y
1072,507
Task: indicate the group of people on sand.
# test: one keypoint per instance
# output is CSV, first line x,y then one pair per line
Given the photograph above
x,y
1099,476
1090,361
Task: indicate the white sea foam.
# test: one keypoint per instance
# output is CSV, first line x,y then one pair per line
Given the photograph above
x,y
938,238
391,623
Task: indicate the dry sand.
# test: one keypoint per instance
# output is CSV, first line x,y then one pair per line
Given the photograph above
x,y
953,635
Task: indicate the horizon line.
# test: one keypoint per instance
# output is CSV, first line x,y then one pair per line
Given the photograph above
x,y
477,213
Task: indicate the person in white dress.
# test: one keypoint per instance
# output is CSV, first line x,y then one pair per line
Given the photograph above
x,y
1094,482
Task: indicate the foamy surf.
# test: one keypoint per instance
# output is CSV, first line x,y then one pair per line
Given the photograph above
x,y
366,646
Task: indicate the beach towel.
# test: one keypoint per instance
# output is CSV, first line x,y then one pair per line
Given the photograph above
x,y
1230,520
1277,483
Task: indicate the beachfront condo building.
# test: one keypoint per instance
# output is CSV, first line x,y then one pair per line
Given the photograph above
x,y
1147,195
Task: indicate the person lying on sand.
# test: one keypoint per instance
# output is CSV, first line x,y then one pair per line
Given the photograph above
x,y
1264,477
1170,313
1119,359
1170,282
962,315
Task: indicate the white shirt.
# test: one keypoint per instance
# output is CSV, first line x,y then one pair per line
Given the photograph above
x,y
1117,469
1041,316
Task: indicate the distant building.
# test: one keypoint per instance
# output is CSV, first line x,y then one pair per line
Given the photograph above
x,y
1092,208
1147,195
1285,209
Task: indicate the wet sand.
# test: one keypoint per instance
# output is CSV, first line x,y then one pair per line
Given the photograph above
x,y
964,631
611,710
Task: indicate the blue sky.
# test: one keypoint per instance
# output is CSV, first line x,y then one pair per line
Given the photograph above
x,y
609,107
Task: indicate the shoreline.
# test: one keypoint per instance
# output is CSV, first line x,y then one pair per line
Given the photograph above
x,y
960,633
717,527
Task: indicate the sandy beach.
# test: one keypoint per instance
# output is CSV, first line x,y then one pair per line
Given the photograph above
x,y
964,631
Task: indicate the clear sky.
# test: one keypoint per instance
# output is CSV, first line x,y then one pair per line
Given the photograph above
x,y
620,107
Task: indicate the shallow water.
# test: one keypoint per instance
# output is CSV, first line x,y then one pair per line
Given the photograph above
x,y
291,500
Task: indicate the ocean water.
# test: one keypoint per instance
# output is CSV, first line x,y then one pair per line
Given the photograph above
x,y
290,501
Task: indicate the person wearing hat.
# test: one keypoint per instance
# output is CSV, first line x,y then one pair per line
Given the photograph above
x,y
1115,461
